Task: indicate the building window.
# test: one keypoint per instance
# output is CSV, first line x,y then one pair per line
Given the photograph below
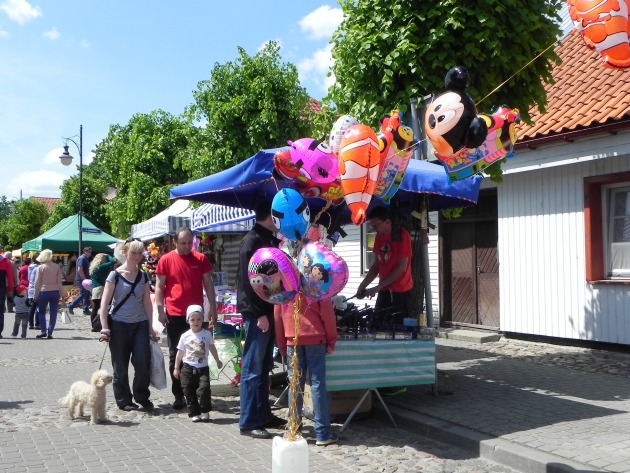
x,y
617,237
367,243
607,227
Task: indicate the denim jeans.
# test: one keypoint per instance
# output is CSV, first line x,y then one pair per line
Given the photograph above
x,y
257,363
196,386
313,359
84,296
130,341
33,316
48,298
3,300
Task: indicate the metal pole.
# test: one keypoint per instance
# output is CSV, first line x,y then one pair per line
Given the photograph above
x,y
80,190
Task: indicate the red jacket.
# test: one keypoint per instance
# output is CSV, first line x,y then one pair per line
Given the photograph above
x,y
318,324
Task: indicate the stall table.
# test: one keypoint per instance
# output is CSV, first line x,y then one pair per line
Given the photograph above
x,y
373,364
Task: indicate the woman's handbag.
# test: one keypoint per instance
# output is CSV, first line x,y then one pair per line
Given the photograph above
x,y
158,370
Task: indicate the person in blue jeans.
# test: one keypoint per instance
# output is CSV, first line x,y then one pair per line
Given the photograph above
x,y
83,272
48,287
317,337
257,314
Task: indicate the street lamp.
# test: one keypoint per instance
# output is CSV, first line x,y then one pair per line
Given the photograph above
x,y
66,159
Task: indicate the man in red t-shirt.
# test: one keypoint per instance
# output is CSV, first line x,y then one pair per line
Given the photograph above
x,y
182,276
392,265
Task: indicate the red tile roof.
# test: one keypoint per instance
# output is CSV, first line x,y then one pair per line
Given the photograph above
x,y
585,98
315,106
49,202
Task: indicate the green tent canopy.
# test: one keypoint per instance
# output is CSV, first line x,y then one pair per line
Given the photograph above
x,y
64,237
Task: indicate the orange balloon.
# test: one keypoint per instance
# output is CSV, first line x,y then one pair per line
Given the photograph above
x,y
359,168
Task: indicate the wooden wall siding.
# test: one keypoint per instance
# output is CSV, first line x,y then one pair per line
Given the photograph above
x,y
542,261
349,248
229,258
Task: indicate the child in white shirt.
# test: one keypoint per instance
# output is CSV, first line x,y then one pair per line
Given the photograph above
x,y
191,365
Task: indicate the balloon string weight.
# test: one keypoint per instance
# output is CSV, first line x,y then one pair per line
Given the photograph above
x,y
294,418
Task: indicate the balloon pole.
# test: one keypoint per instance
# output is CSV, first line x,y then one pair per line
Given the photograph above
x,y
290,452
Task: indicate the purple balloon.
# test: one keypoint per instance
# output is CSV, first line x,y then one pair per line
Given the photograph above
x,y
87,284
273,275
323,273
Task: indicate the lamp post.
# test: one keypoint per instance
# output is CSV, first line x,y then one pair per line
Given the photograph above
x,y
66,159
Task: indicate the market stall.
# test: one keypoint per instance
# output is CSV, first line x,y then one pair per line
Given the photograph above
x,y
165,223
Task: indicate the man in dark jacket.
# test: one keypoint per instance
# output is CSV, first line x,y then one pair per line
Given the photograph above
x,y
259,333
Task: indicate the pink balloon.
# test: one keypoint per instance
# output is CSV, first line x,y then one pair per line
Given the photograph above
x,y
87,284
315,160
273,275
323,273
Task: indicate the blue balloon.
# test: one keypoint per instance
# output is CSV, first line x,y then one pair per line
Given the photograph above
x,y
290,214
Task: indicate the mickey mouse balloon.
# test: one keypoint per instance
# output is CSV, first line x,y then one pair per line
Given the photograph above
x,y
290,214
273,275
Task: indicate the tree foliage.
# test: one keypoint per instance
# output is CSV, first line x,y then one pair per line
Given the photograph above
x,y
253,103
24,222
142,161
387,52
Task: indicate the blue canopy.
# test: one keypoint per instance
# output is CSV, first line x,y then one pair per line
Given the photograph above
x,y
253,180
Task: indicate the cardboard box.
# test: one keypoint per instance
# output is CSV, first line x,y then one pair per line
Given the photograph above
x,y
341,403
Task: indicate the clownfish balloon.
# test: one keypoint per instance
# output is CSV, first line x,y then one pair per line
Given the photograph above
x,y
290,214
359,166
604,26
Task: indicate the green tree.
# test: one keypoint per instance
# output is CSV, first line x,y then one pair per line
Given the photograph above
x,y
25,222
6,209
142,161
253,103
387,52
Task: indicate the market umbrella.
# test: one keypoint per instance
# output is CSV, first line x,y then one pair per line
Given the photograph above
x,y
253,180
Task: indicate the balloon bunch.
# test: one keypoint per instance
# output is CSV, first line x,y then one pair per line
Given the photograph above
x,y
355,164
464,141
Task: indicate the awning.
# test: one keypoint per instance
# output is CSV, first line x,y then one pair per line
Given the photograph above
x,y
215,218
165,223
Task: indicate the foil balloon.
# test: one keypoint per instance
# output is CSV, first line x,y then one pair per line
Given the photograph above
x,y
286,169
398,151
87,284
290,214
315,160
604,26
451,121
323,273
499,144
339,128
359,165
273,275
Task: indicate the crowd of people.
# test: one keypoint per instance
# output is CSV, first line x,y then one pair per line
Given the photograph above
x,y
122,313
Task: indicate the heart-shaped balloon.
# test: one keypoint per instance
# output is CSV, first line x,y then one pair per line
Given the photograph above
x,y
290,214
323,273
273,275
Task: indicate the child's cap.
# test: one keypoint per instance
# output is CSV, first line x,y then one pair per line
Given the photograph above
x,y
20,289
192,309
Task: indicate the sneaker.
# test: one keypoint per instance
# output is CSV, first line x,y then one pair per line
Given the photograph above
x,y
326,440
147,406
205,416
14,335
196,419
31,327
49,337
41,335
71,310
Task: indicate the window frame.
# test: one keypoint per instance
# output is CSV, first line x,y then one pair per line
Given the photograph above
x,y
367,257
595,226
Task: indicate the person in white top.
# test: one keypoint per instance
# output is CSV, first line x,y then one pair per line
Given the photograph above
x,y
193,349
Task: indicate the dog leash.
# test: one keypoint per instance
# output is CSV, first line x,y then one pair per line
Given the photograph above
x,y
104,351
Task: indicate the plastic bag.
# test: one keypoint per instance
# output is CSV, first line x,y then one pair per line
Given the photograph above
x,y
65,316
158,370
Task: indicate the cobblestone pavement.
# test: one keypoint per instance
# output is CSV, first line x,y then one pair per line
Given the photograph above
x,y
36,435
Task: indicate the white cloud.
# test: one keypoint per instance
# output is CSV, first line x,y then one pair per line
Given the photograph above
x,y
35,183
52,34
321,23
4,34
316,67
20,11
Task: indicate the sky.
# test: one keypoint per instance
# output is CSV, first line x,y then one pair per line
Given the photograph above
x,y
67,63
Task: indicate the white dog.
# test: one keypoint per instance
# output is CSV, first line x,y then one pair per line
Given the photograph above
x,y
92,395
